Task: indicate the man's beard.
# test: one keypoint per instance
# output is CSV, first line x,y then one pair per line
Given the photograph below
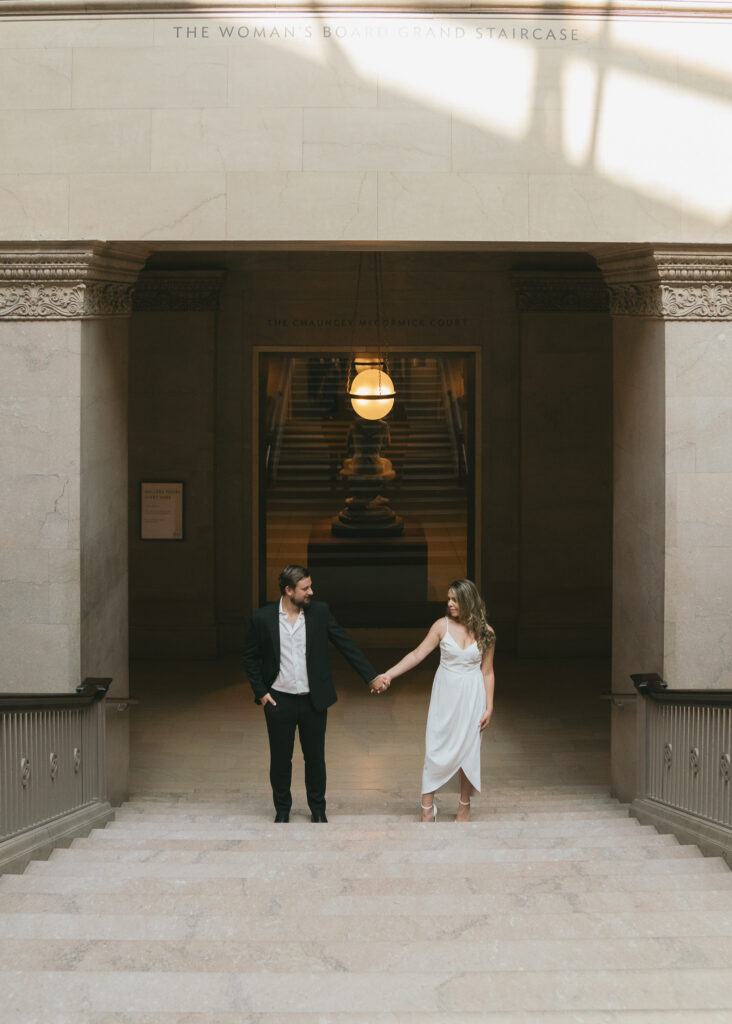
x,y
304,602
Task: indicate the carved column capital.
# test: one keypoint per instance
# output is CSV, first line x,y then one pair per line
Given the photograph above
x,y
178,291
78,281
668,284
560,292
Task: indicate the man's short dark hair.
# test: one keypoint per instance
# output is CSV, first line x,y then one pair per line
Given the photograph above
x,y
291,576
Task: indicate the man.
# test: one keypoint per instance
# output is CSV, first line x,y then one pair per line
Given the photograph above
x,y
286,658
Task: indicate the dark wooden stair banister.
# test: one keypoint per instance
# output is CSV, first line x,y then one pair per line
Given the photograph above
x,y
652,686
92,689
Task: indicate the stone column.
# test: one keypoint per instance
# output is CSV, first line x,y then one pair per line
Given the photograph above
x,y
672,572
566,464
63,377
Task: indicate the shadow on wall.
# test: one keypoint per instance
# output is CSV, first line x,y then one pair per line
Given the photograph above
x,y
597,101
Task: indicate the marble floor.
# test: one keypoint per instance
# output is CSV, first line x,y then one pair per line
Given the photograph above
x,y
196,729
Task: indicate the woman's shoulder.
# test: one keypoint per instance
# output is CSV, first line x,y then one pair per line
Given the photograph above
x,y
438,627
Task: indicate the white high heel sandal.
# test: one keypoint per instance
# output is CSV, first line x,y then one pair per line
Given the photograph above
x,y
463,803
432,807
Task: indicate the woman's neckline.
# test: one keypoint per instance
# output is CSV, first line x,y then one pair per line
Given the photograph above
x,y
459,646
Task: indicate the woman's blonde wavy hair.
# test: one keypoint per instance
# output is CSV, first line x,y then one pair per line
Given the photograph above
x,y
472,613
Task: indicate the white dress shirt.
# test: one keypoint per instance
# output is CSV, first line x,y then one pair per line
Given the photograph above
x,y
293,674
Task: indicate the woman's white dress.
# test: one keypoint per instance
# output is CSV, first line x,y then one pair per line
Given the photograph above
x,y
452,740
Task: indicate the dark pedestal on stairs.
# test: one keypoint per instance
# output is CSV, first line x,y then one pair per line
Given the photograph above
x,y
369,581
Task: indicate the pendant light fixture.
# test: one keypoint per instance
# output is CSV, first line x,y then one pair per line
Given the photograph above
x,y
371,389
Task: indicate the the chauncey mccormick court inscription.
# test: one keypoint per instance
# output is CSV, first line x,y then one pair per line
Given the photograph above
x,y
364,30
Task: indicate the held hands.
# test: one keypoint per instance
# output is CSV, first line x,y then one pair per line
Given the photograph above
x,y
380,684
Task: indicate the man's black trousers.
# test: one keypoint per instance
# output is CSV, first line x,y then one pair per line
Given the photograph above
x,y
296,712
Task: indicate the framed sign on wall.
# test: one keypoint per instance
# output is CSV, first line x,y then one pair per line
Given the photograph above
x,y
162,509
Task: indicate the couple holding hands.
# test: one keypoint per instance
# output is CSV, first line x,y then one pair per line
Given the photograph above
x,y
286,659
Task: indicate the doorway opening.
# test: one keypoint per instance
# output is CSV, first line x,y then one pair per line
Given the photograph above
x,y
417,470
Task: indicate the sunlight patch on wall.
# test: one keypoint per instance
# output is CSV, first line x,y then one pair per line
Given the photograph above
x,y
679,46
670,143
489,84
579,105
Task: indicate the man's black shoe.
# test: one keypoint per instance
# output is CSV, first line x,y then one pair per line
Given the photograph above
x,y
282,816
318,817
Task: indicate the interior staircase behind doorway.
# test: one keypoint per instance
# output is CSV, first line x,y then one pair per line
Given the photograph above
x,y
431,489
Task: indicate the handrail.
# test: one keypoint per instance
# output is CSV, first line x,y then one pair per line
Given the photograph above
x,y
447,399
277,423
92,689
454,421
652,686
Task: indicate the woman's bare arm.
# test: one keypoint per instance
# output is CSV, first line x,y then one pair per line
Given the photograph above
x,y
418,655
489,681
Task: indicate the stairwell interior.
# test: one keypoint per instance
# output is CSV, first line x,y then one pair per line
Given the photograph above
x,y
307,418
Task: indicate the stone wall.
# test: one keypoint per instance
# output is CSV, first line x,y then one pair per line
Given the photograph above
x,y
698,493
40,366
518,126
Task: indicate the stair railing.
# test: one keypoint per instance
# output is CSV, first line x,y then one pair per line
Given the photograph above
x,y
276,425
687,765
454,422
52,760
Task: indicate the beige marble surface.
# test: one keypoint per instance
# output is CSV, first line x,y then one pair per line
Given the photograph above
x,y
698,626
40,592
473,126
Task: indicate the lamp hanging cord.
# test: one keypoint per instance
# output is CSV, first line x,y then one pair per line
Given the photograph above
x,y
379,290
352,373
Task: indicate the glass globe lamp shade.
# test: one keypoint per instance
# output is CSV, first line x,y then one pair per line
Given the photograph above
x,y
372,394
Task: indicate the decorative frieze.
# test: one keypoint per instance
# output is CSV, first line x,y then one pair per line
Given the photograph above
x,y
560,292
178,291
71,283
668,285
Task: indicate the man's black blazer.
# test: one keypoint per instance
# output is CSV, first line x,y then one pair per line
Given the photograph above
x,y
262,652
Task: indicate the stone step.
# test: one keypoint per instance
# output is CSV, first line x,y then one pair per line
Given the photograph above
x,y
328,957
385,864
401,819
348,1017
363,881
459,927
105,846
70,859
491,803
366,821
381,991
145,803
265,830
252,900
399,814
217,798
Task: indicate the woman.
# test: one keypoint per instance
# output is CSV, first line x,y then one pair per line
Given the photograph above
x,y
462,696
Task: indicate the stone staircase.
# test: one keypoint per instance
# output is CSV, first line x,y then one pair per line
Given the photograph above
x,y
553,906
